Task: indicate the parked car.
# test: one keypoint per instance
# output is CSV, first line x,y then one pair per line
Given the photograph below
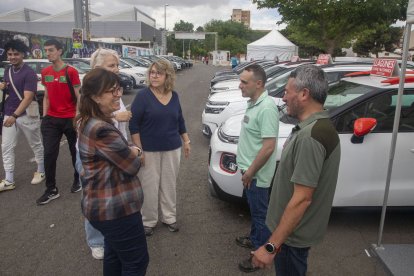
x,y
273,71
221,106
138,73
364,161
127,81
136,62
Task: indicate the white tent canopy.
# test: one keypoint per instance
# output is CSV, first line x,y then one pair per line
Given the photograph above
x,y
271,45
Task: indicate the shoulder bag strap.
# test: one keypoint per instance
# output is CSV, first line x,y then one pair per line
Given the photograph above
x,y
14,87
71,89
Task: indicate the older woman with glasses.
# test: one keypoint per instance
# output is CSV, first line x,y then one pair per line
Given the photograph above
x,y
112,196
157,126
107,59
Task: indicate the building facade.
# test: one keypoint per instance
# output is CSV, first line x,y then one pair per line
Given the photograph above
x,y
241,16
131,24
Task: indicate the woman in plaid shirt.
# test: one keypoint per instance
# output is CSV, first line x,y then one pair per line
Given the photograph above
x,y
112,196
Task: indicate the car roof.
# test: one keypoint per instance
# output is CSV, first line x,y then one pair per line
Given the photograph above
x,y
36,60
375,81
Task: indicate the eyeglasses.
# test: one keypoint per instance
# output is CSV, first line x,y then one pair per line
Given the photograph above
x,y
156,73
116,91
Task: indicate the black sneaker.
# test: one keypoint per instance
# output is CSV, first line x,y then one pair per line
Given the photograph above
x,y
244,242
76,187
48,196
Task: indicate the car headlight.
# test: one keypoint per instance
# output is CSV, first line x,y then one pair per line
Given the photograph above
x,y
228,162
215,107
139,75
213,110
217,103
227,138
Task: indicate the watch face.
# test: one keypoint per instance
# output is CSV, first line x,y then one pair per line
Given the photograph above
x,y
270,248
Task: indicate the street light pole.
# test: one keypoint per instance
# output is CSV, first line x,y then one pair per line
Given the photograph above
x,y
165,28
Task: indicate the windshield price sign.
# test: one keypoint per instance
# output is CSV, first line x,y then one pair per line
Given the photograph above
x,y
385,68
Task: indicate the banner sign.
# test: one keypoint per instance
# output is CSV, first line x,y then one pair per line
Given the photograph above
x,y
77,38
385,68
179,35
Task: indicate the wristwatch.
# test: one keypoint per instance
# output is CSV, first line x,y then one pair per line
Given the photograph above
x,y
15,115
271,248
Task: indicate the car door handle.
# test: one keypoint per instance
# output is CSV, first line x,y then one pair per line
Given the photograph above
x,y
412,150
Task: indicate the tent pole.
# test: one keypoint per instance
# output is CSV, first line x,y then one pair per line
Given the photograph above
x,y
395,131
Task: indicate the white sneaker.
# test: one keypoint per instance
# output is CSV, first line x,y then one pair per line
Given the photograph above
x,y
6,185
38,178
98,252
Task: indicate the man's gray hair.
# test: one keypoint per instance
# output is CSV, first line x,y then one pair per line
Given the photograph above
x,y
98,57
313,78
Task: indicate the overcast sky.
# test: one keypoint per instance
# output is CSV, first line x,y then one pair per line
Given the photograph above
x,y
197,12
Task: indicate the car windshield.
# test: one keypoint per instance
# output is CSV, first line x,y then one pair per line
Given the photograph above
x,y
80,66
123,64
133,62
144,61
338,95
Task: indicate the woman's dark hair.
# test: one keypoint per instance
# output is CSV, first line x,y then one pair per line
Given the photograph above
x,y
18,45
95,83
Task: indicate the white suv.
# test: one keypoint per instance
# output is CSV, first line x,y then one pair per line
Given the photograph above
x,y
221,106
363,166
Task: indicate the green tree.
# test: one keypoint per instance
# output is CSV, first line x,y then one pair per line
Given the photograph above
x,y
234,44
183,26
331,24
233,36
378,39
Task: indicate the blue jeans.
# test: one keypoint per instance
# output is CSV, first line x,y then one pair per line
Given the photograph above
x,y
94,238
258,199
125,246
292,261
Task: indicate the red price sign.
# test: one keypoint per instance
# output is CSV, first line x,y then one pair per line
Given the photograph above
x,y
384,67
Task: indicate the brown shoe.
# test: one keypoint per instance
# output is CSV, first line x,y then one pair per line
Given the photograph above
x,y
247,266
244,242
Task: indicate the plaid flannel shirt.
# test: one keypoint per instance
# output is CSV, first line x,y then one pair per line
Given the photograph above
x,y
111,188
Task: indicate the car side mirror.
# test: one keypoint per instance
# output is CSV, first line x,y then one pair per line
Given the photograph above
x,y
362,127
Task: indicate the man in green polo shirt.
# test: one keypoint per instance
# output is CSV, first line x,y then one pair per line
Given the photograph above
x,y
305,181
256,155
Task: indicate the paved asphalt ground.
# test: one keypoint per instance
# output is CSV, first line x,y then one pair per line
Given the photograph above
x,y
50,239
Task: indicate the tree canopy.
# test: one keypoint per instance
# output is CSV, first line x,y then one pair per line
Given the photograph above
x,y
331,24
232,36
375,40
183,26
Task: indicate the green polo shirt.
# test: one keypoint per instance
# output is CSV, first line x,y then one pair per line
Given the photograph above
x,y
261,120
310,157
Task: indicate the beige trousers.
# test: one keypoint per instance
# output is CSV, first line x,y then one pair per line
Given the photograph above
x,y
159,180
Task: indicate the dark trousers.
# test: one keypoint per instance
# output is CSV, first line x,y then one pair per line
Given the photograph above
x,y
52,131
258,199
125,246
291,261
